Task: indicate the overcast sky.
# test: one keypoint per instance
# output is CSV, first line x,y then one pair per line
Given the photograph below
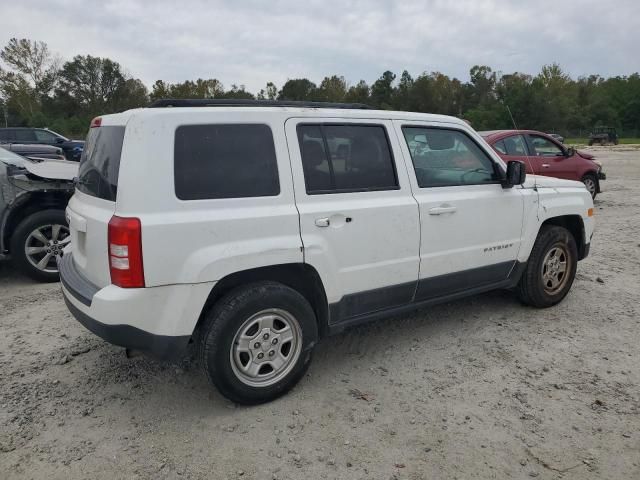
x,y
252,42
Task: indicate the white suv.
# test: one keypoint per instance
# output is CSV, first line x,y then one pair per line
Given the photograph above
x,y
253,229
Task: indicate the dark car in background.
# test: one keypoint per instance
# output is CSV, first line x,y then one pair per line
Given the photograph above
x,y
33,197
42,136
544,155
35,151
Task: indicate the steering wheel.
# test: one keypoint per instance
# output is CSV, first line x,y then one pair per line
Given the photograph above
x,y
475,170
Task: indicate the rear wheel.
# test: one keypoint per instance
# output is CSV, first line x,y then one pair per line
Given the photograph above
x,y
551,268
37,242
257,341
591,182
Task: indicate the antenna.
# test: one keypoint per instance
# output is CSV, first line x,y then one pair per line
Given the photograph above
x,y
535,183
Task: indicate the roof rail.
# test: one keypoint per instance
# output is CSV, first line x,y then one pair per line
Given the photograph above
x,y
234,102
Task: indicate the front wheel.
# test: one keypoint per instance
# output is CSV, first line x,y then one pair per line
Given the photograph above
x,y
591,182
256,342
37,242
551,268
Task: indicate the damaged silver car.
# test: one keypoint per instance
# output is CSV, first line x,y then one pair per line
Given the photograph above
x,y
33,196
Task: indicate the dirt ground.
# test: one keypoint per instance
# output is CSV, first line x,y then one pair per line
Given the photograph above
x,y
480,388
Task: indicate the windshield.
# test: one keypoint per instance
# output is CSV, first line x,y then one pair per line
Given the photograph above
x,y
100,162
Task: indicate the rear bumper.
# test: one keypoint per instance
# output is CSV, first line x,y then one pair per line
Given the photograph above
x,y
162,347
157,320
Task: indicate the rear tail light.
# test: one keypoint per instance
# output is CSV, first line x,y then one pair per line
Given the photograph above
x,y
125,252
96,122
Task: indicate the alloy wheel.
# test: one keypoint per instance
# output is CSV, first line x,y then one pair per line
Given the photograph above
x,y
44,244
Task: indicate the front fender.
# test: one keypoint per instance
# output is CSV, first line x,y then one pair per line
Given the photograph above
x,y
557,203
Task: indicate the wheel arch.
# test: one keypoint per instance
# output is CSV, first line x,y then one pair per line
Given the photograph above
x,y
25,205
301,277
575,225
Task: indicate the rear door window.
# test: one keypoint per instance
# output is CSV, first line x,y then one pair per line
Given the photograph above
x,y
24,135
500,147
346,158
225,161
515,145
100,162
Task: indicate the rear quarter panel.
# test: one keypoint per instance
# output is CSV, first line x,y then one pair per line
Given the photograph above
x,y
202,240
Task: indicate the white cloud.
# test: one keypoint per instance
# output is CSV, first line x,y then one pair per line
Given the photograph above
x,y
253,42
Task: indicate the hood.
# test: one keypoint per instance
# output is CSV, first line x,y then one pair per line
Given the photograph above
x,y
586,155
53,169
550,182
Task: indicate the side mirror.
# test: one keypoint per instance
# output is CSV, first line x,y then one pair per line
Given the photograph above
x,y
570,152
59,140
516,174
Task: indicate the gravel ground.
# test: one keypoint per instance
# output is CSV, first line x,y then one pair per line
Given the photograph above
x,y
480,388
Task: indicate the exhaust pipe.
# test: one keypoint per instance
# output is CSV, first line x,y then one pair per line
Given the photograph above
x,y
129,353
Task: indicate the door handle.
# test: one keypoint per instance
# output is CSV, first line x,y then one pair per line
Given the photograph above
x,y
545,165
322,222
442,209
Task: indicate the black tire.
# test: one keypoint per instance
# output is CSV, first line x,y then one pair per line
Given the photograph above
x,y
229,316
20,237
590,177
531,288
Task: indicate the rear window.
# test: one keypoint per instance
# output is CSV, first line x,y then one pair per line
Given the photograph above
x,y
225,161
100,162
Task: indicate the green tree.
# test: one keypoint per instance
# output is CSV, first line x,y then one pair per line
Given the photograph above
x,y
297,89
358,93
332,89
92,83
33,60
382,90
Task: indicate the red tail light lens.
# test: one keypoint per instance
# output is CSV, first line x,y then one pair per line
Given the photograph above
x,y
96,122
125,252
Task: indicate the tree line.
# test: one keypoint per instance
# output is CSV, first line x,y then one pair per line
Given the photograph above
x,y
38,88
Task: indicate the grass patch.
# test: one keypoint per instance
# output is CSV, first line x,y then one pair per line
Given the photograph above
x,y
585,141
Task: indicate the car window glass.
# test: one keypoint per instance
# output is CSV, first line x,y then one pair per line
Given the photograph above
x,y
500,147
100,162
225,161
544,147
443,157
315,162
346,158
44,136
514,145
24,135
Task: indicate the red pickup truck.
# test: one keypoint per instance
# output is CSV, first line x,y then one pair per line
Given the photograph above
x,y
544,155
